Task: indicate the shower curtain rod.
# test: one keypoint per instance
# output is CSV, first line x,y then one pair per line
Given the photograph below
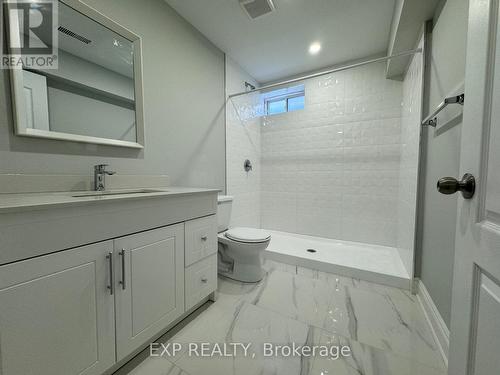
x,y
339,69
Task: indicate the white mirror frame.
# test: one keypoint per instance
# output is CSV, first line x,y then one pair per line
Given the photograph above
x,y
17,86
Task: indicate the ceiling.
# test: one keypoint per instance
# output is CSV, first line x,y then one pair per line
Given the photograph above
x,y
409,17
276,45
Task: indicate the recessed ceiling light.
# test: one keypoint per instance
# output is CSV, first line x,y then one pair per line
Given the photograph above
x,y
314,48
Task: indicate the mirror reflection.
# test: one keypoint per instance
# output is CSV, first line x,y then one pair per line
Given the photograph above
x,y
92,91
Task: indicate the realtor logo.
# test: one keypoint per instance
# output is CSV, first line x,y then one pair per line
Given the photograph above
x,y
32,39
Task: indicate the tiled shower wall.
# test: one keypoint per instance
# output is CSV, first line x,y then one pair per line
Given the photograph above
x,y
332,169
242,142
408,170
345,167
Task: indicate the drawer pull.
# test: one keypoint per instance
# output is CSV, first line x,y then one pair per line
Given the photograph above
x,y
204,280
204,238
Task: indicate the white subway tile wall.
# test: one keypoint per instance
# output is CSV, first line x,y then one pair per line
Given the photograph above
x,y
408,170
243,137
345,167
242,142
332,169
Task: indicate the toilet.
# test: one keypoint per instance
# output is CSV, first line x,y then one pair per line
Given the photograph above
x,y
240,248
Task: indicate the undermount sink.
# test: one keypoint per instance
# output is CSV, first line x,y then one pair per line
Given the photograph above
x,y
116,192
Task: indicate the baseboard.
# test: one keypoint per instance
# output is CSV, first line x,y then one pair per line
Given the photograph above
x,y
439,328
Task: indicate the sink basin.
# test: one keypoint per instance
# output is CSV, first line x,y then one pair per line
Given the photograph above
x,y
116,192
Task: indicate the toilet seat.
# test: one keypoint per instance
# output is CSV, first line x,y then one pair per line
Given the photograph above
x,y
247,235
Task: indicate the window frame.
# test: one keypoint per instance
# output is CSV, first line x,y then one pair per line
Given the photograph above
x,y
279,98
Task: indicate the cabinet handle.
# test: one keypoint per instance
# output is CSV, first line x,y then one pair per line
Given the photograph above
x,y
122,254
204,280
111,287
204,238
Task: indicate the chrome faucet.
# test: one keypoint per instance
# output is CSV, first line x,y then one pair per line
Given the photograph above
x,y
99,176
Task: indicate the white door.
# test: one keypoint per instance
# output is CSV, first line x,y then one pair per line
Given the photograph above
x,y
57,314
475,322
149,285
37,104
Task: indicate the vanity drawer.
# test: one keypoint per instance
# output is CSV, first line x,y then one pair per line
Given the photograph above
x,y
201,238
201,280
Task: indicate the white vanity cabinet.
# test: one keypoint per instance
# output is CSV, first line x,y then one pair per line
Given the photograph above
x,y
87,309
57,314
149,280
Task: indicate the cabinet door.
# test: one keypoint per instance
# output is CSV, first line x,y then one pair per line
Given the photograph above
x,y
150,285
57,314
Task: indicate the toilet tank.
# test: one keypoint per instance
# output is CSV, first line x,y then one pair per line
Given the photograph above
x,y
224,205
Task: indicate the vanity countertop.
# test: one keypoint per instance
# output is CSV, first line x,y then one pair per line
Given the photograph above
x,y
37,201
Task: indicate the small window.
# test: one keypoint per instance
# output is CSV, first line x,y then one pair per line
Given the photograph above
x,y
284,100
297,102
276,106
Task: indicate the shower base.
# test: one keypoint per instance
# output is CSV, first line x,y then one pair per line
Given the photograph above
x,y
374,263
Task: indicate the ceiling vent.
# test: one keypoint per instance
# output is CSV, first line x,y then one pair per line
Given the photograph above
x,y
257,8
72,34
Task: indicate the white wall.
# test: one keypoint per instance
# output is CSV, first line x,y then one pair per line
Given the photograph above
x,y
242,142
332,169
411,114
446,72
184,108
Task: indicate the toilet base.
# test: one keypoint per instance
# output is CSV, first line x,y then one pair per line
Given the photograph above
x,y
241,261
247,273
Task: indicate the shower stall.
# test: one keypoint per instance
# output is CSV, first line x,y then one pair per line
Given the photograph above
x,y
335,166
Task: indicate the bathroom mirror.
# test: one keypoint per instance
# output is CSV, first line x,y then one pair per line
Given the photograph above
x,y
93,91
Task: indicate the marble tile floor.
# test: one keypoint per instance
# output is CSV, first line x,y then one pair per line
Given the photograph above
x,y
383,327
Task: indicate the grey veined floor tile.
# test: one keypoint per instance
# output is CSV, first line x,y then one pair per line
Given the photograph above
x,y
210,326
383,327
255,326
231,292
157,366
393,324
364,359
296,296
338,282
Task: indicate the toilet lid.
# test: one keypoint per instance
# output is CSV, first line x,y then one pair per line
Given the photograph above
x,y
248,234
